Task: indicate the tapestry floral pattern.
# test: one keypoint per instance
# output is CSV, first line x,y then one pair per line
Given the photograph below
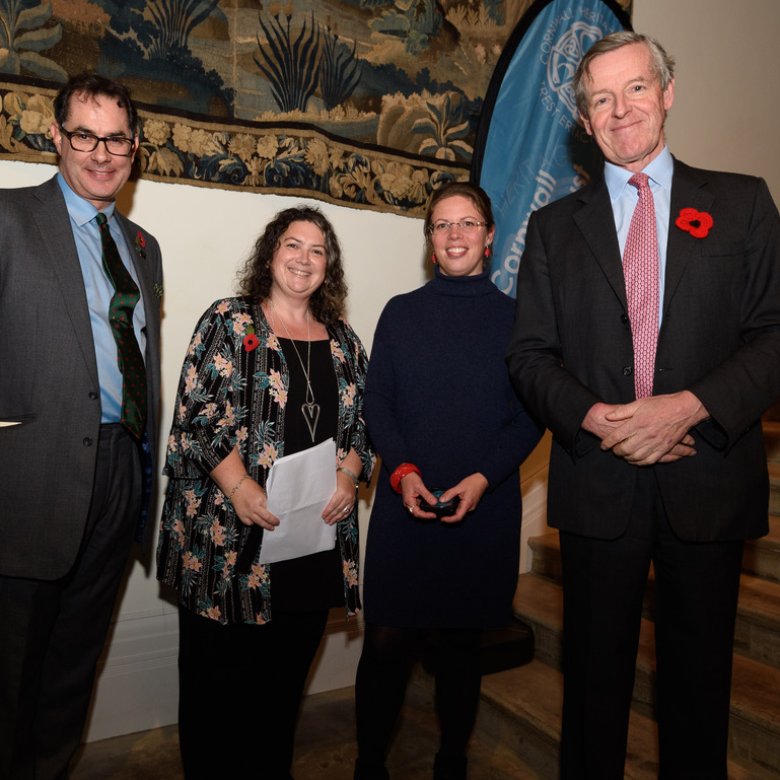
x,y
365,103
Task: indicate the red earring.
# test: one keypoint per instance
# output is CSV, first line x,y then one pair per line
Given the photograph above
x,y
433,258
487,250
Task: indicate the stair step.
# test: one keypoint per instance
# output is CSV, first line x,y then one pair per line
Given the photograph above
x,y
521,709
754,726
774,488
757,633
546,559
772,439
755,698
762,556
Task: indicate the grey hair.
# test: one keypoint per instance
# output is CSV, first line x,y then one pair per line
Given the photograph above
x,y
662,63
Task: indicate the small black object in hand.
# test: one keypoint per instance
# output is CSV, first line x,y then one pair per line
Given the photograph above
x,y
440,508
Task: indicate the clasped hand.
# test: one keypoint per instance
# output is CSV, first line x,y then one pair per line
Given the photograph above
x,y
469,490
649,430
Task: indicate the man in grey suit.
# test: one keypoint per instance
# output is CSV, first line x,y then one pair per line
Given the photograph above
x,y
648,341
77,420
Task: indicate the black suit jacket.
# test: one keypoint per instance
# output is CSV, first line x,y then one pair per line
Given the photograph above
x,y
720,339
49,381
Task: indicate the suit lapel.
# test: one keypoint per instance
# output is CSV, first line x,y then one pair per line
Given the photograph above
x,y
56,237
689,190
596,222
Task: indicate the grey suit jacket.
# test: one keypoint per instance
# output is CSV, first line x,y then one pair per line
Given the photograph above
x,y
49,381
720,338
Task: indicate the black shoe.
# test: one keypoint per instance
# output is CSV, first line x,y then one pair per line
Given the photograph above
x,y
450,767
366,770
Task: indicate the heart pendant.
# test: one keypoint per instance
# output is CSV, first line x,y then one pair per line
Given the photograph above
x,y
311,413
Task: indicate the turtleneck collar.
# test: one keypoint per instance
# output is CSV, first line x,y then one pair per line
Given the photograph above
x,y
463,286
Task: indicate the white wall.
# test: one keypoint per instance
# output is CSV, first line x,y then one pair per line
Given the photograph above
x,y
725,116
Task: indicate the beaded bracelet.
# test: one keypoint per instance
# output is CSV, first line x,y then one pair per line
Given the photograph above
x,y
402,471
237,486
350,474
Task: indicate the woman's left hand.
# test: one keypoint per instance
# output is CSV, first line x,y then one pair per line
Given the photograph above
x,y
343,500
470,491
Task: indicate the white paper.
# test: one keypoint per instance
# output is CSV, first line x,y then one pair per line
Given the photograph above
x,y
298,487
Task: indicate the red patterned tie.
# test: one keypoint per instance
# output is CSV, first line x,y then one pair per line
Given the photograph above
x,y
640,267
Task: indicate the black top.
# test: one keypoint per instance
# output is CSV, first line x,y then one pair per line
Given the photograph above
x,y
313,582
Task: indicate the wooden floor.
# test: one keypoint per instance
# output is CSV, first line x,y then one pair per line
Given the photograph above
x,y
325,747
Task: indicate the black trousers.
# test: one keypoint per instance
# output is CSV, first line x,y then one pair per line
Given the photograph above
x,y
386,662
53,631
240,689
695,590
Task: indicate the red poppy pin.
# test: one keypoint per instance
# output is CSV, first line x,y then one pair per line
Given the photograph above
x,y
140,243
250,342
697,223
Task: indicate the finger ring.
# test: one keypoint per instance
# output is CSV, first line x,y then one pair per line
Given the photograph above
x,y
410,507
346,509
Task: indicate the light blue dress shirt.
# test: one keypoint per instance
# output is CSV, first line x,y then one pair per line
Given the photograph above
x,y
99,291
624,197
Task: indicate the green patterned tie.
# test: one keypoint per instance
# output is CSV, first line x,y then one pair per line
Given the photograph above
x,y
120,314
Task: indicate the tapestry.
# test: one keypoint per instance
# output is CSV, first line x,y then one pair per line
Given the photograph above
x,y
365,103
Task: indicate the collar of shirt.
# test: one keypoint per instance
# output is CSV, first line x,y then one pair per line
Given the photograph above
x,y
81,210
660,171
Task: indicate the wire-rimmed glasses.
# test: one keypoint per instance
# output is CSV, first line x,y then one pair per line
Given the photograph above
x,y
442,226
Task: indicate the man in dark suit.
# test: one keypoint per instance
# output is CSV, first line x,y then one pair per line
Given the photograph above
x,y
650,350
79,391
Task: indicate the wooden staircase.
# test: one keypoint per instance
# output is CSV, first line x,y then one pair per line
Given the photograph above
x,y
521,707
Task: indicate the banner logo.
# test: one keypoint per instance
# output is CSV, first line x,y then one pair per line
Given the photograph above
x,y
564,58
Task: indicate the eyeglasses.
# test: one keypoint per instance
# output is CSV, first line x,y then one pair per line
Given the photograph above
x,y
82,141
466,225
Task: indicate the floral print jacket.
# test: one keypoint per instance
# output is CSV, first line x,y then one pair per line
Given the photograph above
x,y
233,391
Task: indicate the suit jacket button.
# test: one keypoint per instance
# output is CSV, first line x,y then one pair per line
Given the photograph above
x,y
93,395
624,319
86,441
628,370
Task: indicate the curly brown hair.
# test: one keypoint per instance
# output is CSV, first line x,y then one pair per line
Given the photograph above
x,y
327,303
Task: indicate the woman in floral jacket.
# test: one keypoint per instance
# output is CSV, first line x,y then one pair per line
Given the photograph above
x,y
269,373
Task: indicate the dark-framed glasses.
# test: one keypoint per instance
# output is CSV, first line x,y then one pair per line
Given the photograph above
x,y
442,226
82,141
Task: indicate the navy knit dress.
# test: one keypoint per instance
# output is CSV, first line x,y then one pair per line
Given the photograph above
x,y
438,395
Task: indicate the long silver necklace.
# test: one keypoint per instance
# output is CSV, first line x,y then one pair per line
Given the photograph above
x,y
309,409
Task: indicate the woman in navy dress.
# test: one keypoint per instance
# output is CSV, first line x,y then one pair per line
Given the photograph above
x,y
443,416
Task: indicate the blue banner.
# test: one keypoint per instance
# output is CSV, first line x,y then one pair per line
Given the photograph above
x,y
534,150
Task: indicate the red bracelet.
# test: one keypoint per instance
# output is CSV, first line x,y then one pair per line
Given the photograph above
x,y
402,471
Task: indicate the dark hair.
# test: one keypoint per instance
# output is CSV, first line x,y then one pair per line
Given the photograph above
x,y
92,85
327,302
661,62
473,192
